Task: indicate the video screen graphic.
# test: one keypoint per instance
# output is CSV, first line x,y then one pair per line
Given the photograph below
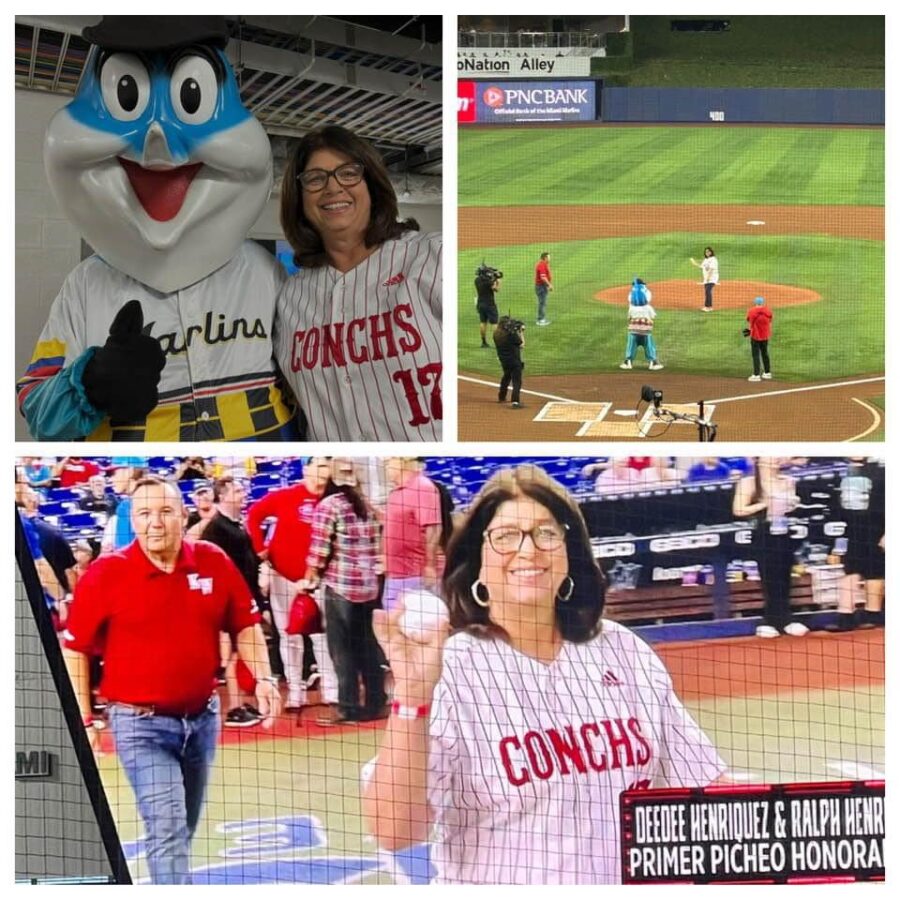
x,y
531,670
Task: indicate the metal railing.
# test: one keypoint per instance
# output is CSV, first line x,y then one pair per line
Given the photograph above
x,y
529,40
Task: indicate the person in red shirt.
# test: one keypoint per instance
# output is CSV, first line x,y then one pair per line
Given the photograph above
x,y
543,284
73,470
156,609
283,541
760,319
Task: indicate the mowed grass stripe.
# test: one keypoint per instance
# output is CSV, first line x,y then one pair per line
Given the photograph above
x,y
670,165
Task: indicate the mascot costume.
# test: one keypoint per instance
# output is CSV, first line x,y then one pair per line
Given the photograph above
x,y
164,334
640,325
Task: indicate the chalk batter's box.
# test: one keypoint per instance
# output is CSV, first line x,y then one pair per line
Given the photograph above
x,y
828,832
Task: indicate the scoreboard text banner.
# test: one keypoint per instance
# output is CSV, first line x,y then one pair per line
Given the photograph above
x,y
772,834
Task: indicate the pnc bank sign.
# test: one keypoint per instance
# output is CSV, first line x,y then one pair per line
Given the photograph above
x,y
501,102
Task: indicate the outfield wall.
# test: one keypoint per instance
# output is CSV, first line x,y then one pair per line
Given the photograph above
x,y
795,106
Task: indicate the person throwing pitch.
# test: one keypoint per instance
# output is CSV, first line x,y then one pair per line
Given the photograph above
x,y
515,729
710,269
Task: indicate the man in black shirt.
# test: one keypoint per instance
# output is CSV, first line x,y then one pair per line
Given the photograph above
x,y
96,498
509,339
487,283
224,529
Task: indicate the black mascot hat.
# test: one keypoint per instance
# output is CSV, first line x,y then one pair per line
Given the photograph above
x,y
157,32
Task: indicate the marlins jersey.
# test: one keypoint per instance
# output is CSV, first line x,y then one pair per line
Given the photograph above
x,y
219,379
527,760
362,349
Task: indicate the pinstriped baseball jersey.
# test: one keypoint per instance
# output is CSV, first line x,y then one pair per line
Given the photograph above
x,y
527,760
362,349
219,379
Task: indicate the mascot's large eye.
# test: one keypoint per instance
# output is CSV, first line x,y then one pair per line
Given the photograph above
x,y
194,90
125,86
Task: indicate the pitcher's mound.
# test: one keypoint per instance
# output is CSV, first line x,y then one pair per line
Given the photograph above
x,y
684,294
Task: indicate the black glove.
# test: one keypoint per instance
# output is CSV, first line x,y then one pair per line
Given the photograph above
x,y
122,376
746,332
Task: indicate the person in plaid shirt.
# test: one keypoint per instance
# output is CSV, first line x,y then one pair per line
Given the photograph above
x,y
343,557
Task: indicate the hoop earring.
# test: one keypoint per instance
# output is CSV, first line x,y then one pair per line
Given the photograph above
x,y
564,598
484,604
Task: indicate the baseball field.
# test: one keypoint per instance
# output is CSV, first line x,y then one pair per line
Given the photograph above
x,y
284,804
794,214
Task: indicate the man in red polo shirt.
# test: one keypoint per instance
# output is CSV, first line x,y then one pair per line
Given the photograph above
x,y
284,543
155,610
543,284
760,319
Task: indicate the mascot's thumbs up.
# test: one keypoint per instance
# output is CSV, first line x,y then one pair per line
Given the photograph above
x,y
122,377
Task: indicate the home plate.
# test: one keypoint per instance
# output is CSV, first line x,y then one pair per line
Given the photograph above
x,y
755,222
625,412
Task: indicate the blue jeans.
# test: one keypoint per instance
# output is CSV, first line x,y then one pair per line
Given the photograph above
x,y
541,291
167,761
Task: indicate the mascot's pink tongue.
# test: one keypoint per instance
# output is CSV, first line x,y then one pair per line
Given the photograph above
x,y
161,192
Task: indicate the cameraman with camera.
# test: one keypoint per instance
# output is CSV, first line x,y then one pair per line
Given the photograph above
x,y
487,283
509,339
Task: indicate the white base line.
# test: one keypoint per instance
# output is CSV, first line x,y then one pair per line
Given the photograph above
x,y
799,390
876,416
494,384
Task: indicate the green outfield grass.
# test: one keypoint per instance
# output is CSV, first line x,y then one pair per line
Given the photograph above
x,y
841,335
794,736
704,164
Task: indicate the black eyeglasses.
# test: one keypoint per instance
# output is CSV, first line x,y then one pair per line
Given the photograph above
x,y
314,180
509,539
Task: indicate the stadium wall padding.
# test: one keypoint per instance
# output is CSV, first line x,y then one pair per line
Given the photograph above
x,y
789,106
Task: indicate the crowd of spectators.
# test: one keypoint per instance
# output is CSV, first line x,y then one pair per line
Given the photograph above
x,y
363,531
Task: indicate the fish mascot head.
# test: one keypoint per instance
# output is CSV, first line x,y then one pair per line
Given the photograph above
x,y
156,160
638,295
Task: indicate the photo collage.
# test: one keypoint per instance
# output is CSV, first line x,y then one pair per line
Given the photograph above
x,y
280,620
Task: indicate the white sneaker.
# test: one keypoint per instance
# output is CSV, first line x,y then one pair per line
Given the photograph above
x,y
754,378
766,631
767,376
655,366
796,629
542,322
625,365
706,308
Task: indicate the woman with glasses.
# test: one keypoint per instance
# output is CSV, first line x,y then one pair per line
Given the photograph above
x,y
515,735
358,329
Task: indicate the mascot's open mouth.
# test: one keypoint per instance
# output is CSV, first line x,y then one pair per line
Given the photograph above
x,y
161,191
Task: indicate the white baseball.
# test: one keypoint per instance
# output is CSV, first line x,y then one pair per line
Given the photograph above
x,y
423,612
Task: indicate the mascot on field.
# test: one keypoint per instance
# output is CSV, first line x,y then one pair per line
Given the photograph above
x,y
640,325
165,333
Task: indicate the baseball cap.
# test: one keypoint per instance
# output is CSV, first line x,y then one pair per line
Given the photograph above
x,y
759,301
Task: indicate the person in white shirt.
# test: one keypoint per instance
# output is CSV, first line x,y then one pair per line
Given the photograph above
x,y
710,269
358,328
515,735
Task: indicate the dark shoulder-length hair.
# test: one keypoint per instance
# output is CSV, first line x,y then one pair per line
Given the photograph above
x,y
351,495
577,618
305,241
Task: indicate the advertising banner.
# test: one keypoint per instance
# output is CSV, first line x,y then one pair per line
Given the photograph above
x,y
533,64
515,102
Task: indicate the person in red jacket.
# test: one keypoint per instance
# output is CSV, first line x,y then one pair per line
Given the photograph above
x,y
760,319
283,541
